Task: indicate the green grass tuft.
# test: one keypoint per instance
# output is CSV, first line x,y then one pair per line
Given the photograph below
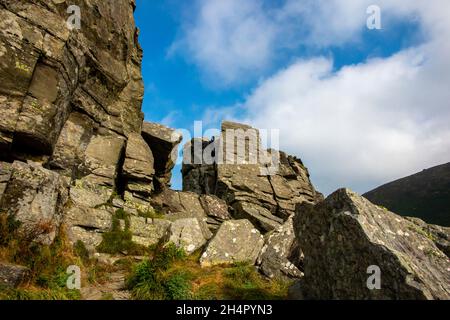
x,y
119,240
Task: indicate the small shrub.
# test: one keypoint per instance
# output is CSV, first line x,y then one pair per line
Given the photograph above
x,y
120,241
178,286
81,251
151,281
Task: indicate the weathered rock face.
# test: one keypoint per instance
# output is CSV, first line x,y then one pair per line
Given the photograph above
x,y
216,211
439,235
49,71
70,115
148,231
345,234
249,180
164,142
5,175
69,98
236,241
139,166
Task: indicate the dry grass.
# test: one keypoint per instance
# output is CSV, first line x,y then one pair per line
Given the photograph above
x,y
47,263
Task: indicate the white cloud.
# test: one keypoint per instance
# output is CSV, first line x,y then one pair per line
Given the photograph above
x,y
227,39
369,123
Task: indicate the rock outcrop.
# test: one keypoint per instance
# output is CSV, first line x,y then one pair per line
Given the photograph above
x,y
76,153
209,210
36,197
72,139
258,185
187,234
48,71
69,101
346,239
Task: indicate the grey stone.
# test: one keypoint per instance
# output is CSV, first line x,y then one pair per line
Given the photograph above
x,y
102,157
438,234
138,167
149,231
36,197
235,241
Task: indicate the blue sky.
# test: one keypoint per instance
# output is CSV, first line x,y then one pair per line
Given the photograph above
x,y
215,60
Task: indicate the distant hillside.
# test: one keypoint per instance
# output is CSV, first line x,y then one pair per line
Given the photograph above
x,y
425,195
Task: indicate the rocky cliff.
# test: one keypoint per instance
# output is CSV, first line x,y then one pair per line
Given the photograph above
x,y
72,135
76,158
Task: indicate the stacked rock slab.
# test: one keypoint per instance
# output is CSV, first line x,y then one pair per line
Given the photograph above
x,y
163,142
348,242
70,114
261,186
209,210
235,168
138,168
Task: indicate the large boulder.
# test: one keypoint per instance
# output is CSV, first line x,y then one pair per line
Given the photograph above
x,y
163,142
349,243
216,210
36,197
260,185
235,241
